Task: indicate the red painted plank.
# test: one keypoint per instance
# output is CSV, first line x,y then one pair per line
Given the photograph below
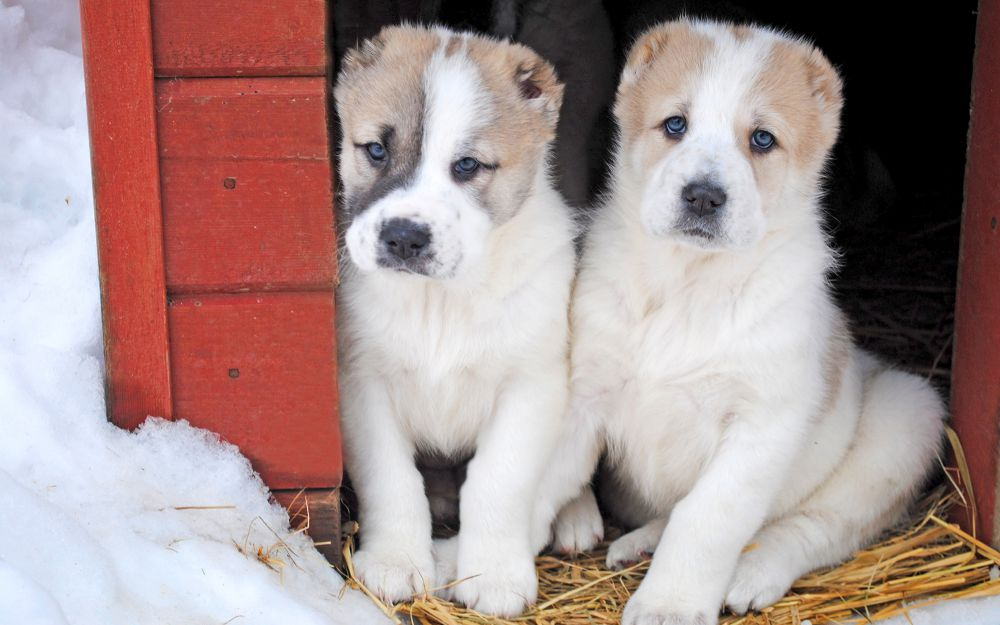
x,y
248,226
235,37
261,371
247,185
120,106
243,119
975,397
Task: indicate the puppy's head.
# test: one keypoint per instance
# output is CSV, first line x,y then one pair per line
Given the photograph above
x,y
722,128
444,136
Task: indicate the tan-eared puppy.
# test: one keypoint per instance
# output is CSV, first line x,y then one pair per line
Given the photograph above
x,y
453,305
709,360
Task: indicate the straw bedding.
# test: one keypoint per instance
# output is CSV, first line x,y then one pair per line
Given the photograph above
x,y
925,561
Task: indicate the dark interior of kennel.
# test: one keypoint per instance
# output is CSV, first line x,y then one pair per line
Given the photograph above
x,y
895,182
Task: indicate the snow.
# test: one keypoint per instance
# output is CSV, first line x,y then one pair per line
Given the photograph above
x,y
90,530
984,611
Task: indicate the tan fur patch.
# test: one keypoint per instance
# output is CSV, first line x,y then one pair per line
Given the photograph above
x,y
454,45
522,127
742,33
663,64
381,86
663,61
799,92
644,51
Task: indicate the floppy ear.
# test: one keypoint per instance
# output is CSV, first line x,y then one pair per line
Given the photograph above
x,y
827,91
362,56
642,53
537,83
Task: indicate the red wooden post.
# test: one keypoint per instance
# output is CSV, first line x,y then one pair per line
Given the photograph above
x,y
214,193
975,398
118,64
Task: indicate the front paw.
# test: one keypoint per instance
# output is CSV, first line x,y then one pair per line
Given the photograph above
x,y
579,526
500,587
760,580
641,610
393,576
631,548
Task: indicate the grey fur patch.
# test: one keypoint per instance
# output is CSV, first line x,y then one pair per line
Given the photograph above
x,y
404,153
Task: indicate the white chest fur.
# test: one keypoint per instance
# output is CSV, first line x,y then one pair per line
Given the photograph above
x,y
673,352
445,351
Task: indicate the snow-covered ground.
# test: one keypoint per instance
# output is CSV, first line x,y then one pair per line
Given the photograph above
x,y
90,530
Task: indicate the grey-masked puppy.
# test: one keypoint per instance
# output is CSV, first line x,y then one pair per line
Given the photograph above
x,y
453,305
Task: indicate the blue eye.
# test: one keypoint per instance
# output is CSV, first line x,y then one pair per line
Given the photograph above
x,y
762,141
675,125
376,151
465,167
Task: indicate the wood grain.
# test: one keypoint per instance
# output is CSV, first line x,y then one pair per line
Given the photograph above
x,y
260,369
121,112
238,38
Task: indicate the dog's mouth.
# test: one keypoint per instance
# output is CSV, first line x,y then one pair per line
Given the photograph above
x,y
421,266
697,232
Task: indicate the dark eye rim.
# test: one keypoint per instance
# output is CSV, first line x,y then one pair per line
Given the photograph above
x,y
675,133
766,146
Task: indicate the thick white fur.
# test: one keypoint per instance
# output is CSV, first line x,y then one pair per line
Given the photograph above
x,y
475,360
702,374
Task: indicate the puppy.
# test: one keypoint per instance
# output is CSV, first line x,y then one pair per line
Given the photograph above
x,y
453,308
709,360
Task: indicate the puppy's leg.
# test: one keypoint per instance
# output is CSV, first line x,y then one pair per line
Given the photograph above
x,y
494,546
898,435
709,527
579,526
571,466
636,545
446,566
394,561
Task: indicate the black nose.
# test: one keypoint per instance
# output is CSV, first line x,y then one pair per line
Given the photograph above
x,y
703,198
404,238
